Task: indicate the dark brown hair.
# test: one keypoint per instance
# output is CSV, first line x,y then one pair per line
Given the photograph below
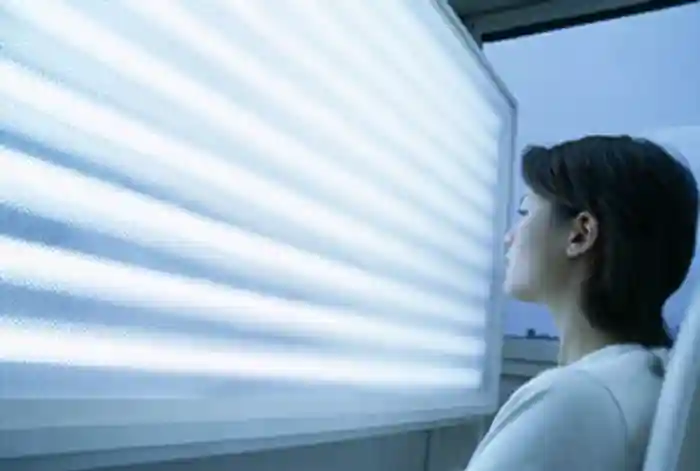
x,y
646,204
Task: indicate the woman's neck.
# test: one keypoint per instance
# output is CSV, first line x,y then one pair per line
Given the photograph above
x,y
577,338
575,344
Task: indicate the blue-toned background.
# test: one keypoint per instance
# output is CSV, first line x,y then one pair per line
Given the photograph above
x,y
637,75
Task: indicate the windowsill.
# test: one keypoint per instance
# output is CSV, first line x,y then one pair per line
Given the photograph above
x,y
178,429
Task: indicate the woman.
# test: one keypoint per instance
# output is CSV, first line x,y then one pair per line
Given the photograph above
x,y
606,234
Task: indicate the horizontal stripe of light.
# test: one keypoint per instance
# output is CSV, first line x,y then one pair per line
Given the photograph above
x,y
30,184
127,59
417,44
288,36
29,342
72,273
334,25
173,164
308,108
387,32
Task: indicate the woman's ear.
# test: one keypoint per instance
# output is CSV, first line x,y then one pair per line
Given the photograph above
x,y
583,234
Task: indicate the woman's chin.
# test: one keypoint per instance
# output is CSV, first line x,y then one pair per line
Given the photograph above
x,y
518,290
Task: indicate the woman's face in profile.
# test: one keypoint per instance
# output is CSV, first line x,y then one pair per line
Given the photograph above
x,y
535,251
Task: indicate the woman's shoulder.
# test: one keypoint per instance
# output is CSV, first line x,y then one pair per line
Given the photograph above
x,y
559,414
606,401
627,379
568,388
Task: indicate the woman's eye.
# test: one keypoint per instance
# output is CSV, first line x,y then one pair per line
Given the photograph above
x,y
522,212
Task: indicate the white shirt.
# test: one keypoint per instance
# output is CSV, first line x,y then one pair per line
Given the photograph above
x,y
592,415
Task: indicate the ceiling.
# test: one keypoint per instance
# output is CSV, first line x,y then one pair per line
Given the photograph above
x,y
495,20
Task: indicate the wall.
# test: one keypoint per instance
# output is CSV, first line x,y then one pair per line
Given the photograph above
x,y
402,452
446,449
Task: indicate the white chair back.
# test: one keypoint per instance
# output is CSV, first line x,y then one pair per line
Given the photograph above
x,y
675,438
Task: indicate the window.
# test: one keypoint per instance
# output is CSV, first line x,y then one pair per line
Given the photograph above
x,y
233,222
